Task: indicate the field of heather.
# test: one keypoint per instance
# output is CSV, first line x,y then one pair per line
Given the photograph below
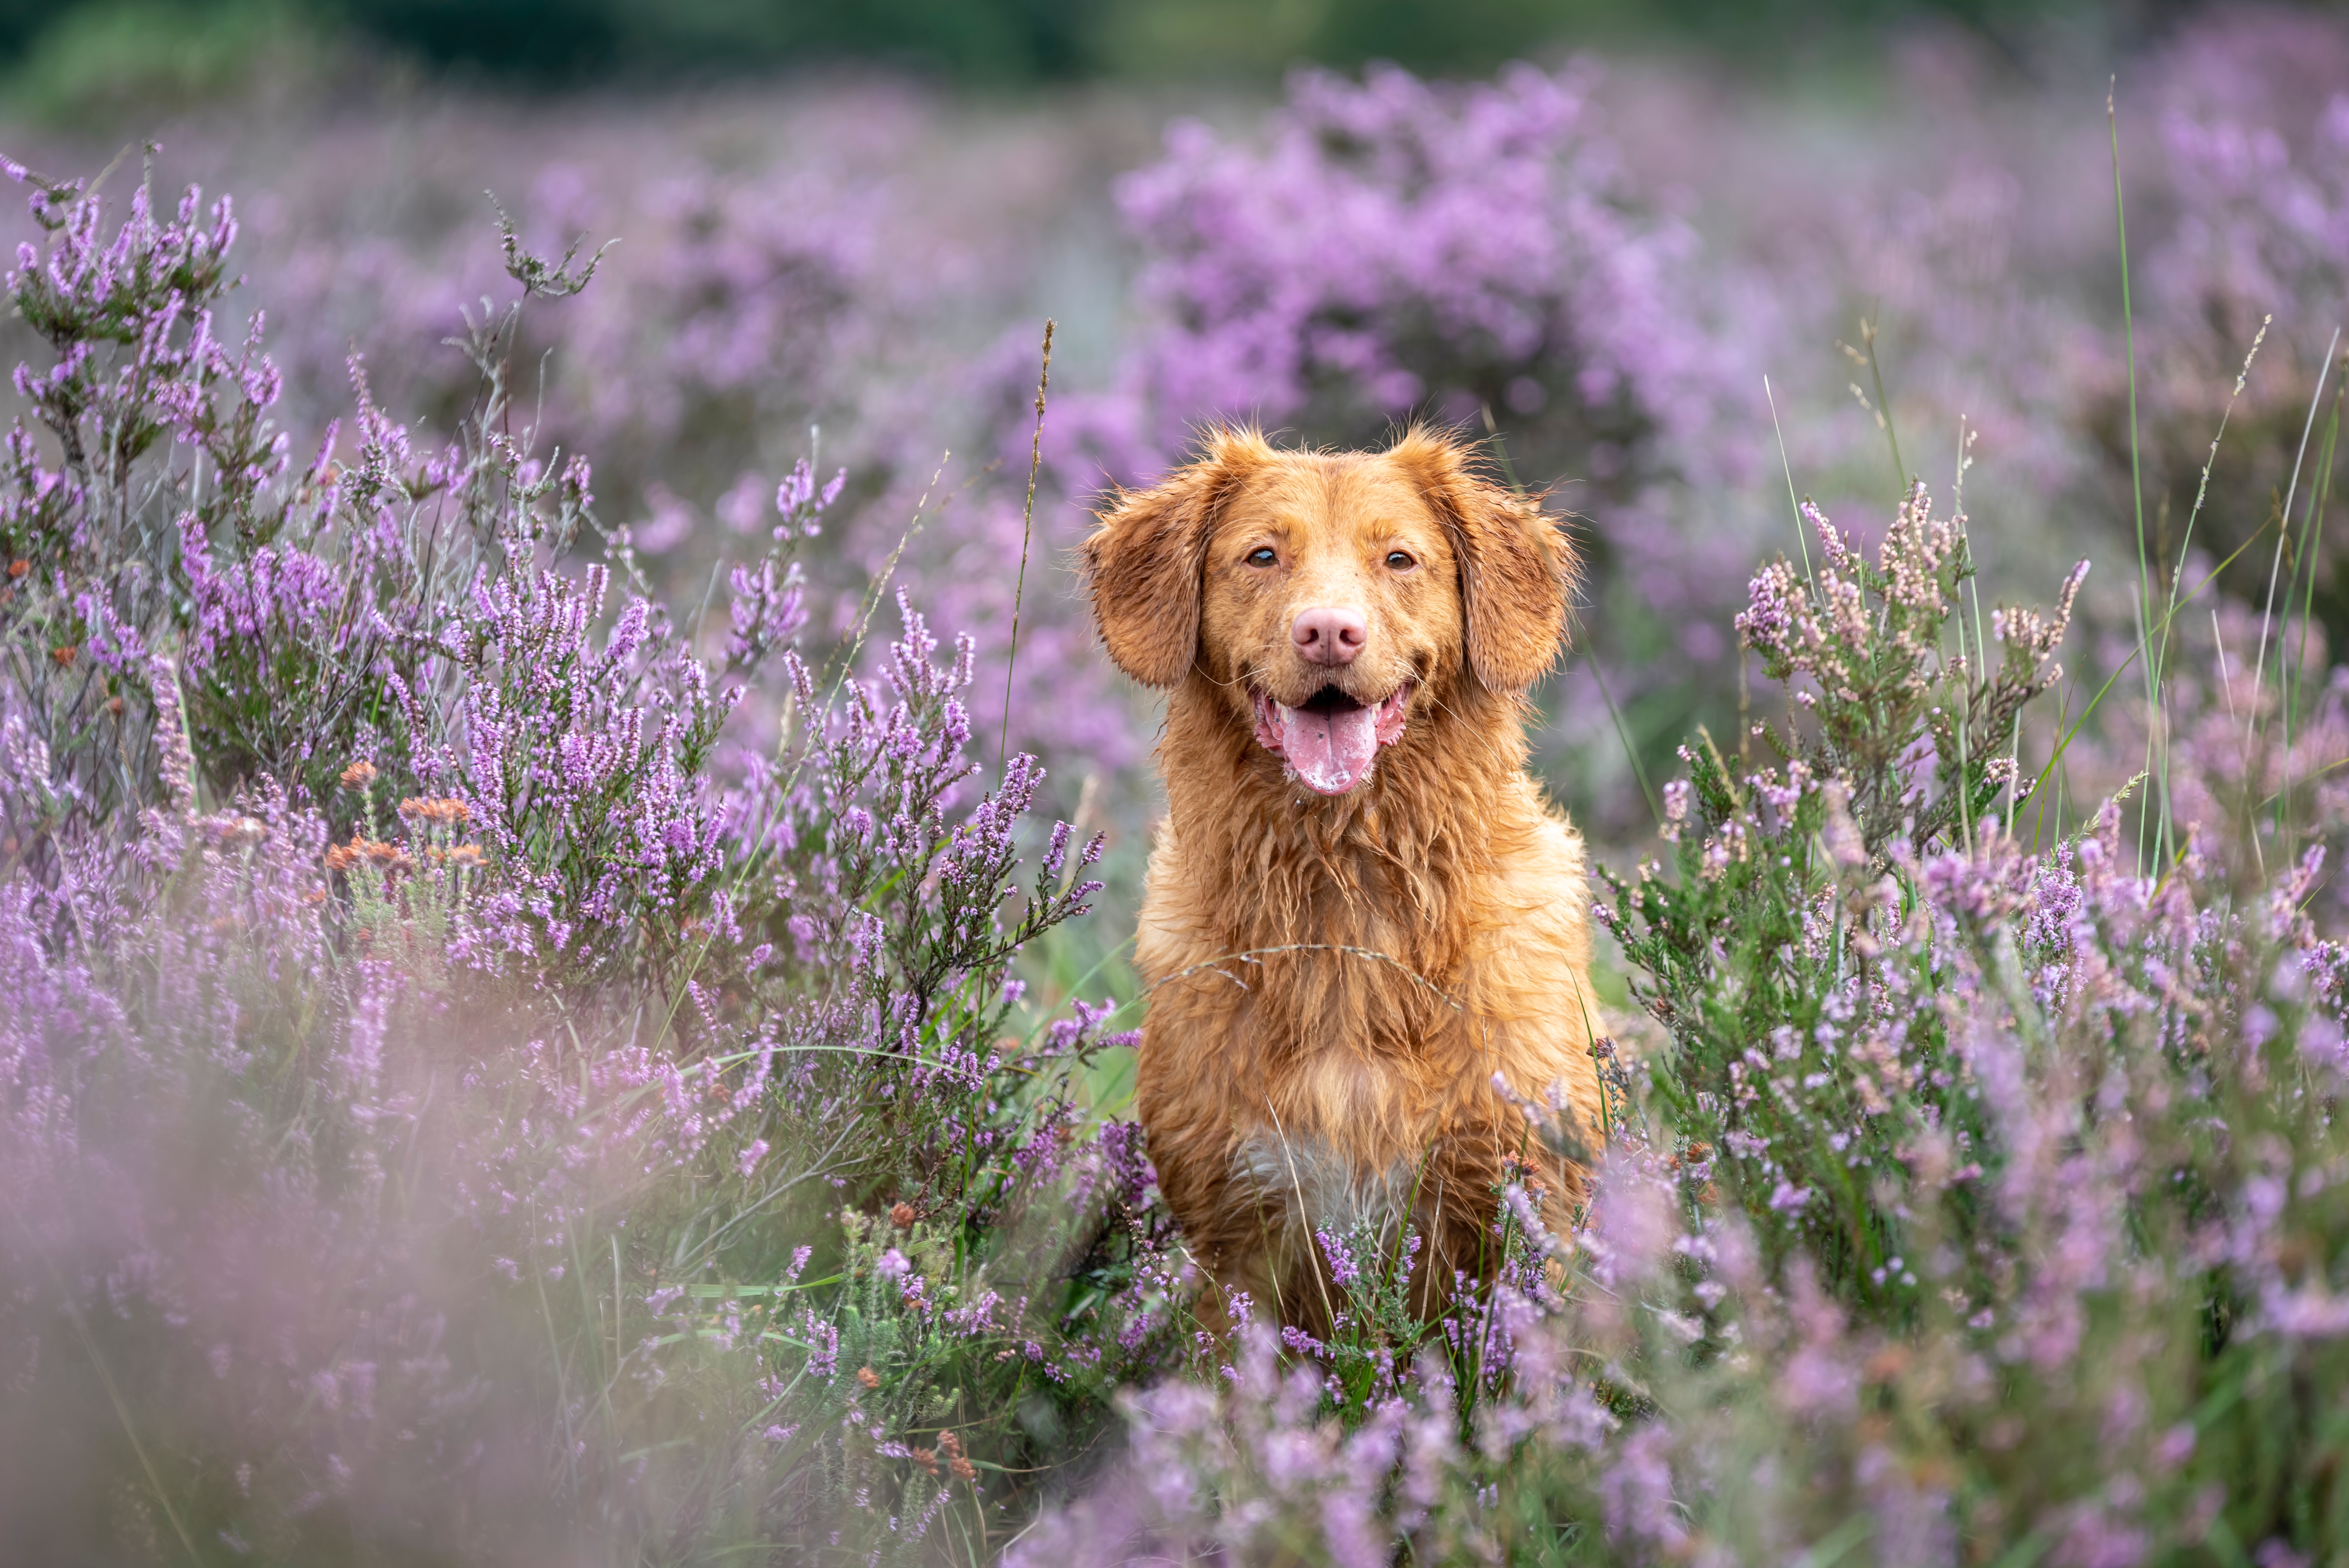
x,y
568,851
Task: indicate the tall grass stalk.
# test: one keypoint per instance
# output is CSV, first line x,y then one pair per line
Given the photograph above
x,y
2154,821
2158,663
2304,561
2136,461
2072,732
2283,529
1623,733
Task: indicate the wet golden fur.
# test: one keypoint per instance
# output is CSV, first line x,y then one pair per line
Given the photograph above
x,y
1406,940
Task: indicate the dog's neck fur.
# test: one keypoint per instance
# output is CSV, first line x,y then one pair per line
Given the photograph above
x,y
1278,864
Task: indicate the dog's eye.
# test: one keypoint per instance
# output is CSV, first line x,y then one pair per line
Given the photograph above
x,y
1264,555
1400,561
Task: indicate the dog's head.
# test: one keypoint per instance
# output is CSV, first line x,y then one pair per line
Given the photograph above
x,y
1328,597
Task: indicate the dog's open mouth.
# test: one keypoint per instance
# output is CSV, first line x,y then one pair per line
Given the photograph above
x,y
1331,739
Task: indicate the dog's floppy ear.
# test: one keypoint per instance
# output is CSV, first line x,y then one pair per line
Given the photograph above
x,y
1143,560
1515,568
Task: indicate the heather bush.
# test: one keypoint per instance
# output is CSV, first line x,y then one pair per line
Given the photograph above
x,y
1399,247
449,1084
1898,741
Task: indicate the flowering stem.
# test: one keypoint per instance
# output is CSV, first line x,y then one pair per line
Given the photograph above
x,y
1026,522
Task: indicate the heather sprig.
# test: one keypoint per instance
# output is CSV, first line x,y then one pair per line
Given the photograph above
x,y
1878,684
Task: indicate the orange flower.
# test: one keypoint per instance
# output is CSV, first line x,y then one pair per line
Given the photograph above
x,y
386,857
440,811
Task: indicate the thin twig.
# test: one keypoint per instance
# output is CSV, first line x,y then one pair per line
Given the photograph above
x,y
1883,403
130,1429
1802,540
1623,734
1026,522
1251,954
1501,452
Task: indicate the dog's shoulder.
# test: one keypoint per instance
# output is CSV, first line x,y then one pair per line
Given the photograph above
x,y
1537,865
1172,931
1530,938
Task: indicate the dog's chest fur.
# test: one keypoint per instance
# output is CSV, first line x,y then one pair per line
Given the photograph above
x,y
1340,991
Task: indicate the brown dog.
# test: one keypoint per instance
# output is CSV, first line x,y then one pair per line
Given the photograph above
x,y
1359,909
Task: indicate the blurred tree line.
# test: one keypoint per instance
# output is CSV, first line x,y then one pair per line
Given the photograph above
x,y
188,42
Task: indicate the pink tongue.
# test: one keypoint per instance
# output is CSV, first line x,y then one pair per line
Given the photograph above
x,y
1331,754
